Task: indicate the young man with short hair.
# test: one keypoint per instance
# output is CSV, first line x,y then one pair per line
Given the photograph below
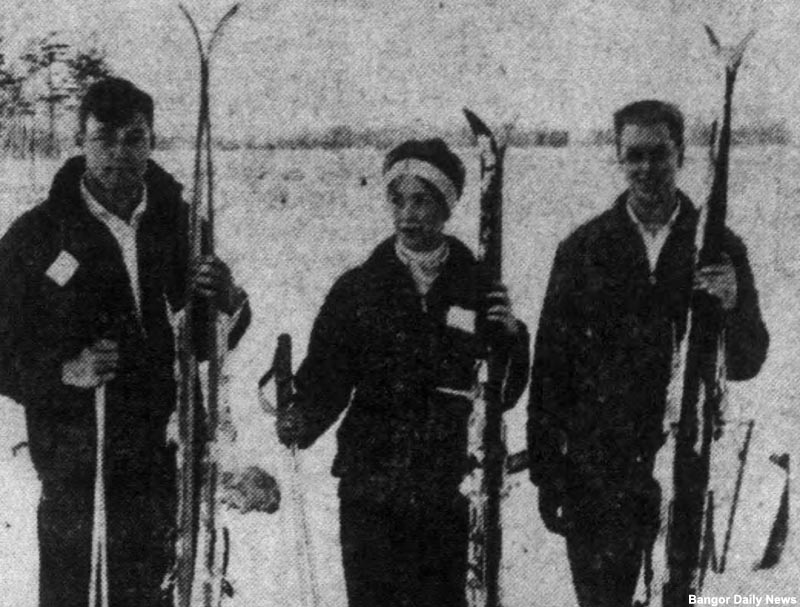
x,y
88,276
614,310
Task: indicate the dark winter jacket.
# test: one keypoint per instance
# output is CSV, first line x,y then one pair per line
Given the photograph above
x,y
603,351
374,341
43,324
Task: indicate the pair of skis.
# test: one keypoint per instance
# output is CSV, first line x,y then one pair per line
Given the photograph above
x,y
190,488
682,554
197,496
702,372
486,455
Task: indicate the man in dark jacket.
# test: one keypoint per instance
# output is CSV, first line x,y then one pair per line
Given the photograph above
x,y
614,311
387,338
88,277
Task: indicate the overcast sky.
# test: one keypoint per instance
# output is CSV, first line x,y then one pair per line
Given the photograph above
x,y
285,65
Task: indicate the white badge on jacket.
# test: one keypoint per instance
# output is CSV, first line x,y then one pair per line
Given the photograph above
x,y
461,318
62,269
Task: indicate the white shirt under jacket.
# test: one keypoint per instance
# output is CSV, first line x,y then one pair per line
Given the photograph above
x,y
124,232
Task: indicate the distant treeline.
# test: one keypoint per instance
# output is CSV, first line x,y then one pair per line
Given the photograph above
x,y
767,133
773,133
40,89
382,138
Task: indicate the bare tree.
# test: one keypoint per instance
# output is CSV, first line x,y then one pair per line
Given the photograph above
x,y
44,61
46,79
15,109
87,65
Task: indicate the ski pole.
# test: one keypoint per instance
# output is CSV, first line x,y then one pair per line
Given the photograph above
x,y
299,514
281,373
99,567
780,527
736,491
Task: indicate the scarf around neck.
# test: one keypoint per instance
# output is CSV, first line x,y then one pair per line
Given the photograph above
x,y
425,266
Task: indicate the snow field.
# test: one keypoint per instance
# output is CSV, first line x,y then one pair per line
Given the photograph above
x,y
290,222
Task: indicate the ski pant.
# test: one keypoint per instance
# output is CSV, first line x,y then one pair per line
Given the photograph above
x,y
404,555
604,573
139,518
606,538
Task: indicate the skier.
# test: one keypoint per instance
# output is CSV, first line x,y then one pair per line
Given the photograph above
x,y
87,276
614,311
395,334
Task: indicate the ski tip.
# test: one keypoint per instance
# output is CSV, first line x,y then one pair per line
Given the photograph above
x,y
185,12
476,125
730,55
712,38
737,52
221,24
230,13
193,25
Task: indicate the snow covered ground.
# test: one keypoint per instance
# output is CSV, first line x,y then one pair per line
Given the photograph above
x,y
292,221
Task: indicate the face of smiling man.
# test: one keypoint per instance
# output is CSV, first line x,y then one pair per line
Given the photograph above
x,y
650,159
116,159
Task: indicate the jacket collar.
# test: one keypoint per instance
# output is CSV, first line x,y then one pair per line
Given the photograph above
x,y
384,260
386,273
65,202
686,218
624,248
81,232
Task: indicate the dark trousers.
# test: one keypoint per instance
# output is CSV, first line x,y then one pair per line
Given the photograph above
x,y
403,555
604,573
139,516
606,539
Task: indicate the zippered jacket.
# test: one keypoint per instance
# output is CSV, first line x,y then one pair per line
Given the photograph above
x,y
603,351
388,356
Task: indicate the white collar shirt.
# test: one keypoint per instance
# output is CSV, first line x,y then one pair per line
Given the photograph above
x,y
654,236
125,234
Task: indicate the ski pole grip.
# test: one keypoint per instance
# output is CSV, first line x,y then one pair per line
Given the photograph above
x,y
283,371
